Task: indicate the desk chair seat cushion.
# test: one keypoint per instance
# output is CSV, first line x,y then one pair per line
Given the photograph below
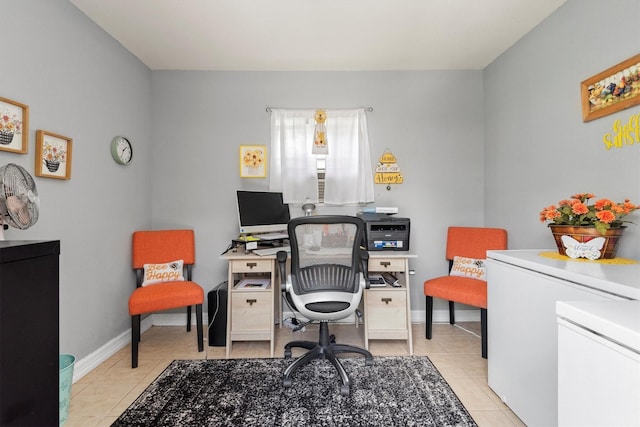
x,y
327,305
460,289
164,296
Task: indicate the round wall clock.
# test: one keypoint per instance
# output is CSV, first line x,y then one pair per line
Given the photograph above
x,y
121,150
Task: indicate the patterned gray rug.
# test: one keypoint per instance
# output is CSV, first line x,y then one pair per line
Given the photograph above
x,y
394,391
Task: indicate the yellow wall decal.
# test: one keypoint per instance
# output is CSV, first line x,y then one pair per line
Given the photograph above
x,y
320,134
623,134
387,170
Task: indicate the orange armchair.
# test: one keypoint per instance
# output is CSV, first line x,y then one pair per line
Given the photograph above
x,y
158,247
468,242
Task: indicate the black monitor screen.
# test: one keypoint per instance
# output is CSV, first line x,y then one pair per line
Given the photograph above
x,y
262,212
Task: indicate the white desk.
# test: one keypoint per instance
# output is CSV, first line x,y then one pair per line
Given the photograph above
x,y
252,313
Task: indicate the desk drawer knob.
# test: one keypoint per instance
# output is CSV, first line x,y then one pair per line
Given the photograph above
x,y
252,264
251,301
386,300
385,263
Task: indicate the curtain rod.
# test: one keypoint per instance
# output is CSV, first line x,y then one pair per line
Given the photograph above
x,y
269,109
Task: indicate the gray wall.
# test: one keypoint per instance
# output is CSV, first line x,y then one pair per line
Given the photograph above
x,y
81,83
475,147
538,150
431,121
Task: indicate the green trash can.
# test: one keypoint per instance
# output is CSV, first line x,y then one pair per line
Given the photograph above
x,y
66,362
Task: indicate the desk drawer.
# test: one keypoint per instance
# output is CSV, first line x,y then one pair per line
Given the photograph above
x,y
386,309
251,310
386,264
250,266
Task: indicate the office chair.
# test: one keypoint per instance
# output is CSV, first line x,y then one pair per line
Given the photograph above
x,y
160,259
328,271
468,242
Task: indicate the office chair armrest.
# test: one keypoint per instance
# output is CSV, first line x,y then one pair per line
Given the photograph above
x,y
364,265
281,256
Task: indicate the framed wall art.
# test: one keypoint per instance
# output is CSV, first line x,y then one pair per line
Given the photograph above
x,y
612,90
253,161
14,126
53,155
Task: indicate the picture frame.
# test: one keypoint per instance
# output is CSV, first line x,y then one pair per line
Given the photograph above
x,y
253,161
612,90
14,126
53,155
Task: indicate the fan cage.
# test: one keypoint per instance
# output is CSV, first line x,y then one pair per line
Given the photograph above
x,y
19,204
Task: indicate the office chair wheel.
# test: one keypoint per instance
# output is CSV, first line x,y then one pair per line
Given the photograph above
x,y
288,382
368,361
344,390
287,354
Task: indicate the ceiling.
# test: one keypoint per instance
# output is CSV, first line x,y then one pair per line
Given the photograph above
x,y
317,35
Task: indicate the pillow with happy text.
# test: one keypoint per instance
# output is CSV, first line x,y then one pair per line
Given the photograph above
x,y
167,272
469,267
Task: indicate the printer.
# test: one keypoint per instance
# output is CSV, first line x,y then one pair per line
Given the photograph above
x,y
386,232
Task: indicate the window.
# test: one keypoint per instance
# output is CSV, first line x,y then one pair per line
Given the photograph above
x,y
341,177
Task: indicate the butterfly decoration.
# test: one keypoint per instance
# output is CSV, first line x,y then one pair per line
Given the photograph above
x,y
589,250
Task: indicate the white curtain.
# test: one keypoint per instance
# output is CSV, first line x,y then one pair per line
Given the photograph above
x,y
293,171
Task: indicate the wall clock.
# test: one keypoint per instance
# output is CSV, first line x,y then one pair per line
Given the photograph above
x,y
121,150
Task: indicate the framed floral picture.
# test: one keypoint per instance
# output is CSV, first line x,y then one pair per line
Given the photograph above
x,y
612,90
53,155
14,126
253,161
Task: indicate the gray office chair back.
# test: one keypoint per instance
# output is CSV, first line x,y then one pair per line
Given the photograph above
x,y
326,258
325,252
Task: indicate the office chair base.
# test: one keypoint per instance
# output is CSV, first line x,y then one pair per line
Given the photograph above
x,y
325,348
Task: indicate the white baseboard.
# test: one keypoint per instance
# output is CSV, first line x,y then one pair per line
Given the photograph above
x,y
442,316
85,365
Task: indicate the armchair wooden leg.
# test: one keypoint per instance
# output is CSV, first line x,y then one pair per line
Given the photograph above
x,y
483,329
452,313
135,339
188,318
199,327
429,314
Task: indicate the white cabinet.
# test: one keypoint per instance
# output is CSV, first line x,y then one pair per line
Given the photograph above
x,y
387,310
599,363
523,288
251,312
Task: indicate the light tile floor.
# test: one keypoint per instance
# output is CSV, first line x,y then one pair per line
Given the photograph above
x,y
103,394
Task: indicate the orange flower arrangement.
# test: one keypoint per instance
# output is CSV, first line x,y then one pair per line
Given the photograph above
x,y
253,158
53,153
603,214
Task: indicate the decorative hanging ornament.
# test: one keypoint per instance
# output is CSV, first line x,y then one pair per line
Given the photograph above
x,y
387,170
320,134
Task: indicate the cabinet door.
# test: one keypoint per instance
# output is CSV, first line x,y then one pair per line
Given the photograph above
x,y
608,396
523,338
386,310
250,310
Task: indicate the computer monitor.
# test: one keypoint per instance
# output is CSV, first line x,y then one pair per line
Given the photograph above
x,y
262,212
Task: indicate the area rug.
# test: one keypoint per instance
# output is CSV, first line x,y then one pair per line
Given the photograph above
x,y
394,391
